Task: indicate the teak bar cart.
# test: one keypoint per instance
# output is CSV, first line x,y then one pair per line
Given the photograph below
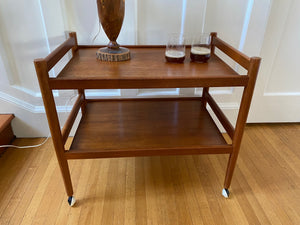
x,y
144,127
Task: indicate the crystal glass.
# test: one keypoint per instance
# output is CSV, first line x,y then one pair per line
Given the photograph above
x,y
200,49
175,49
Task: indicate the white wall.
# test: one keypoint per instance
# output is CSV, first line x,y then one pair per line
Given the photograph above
x,y
31,29
81,16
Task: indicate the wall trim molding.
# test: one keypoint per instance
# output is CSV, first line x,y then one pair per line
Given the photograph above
x,y
66,108
16,101
28,106
281,94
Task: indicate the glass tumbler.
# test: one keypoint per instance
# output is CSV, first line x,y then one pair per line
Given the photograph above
x,y
175,49
200,49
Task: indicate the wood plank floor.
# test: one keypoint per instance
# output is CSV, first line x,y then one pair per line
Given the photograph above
x,y
158,190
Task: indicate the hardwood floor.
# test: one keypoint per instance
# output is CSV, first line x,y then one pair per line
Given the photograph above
x,y
158,190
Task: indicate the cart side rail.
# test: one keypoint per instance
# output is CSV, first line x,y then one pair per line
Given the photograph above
x,y
233,53
219,113
61,50
71,118
43,66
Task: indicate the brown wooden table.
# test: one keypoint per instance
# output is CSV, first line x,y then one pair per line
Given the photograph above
x,y
6,132
144,127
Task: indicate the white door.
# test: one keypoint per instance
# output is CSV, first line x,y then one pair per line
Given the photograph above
x,y
271,30
277,93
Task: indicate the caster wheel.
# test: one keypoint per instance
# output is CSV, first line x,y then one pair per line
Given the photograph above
x,y
71,201
225,193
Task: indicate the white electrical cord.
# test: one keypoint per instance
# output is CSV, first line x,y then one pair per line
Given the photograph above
x,y
49,135
96,34
30,146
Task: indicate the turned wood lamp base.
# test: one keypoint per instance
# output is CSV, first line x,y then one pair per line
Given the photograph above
x,y
113,55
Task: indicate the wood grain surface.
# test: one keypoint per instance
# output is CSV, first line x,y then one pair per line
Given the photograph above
x,y
6,132
5,120
147,68
111,15
169,190
146,127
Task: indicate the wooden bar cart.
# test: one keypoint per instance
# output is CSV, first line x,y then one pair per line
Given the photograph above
x,y
144,127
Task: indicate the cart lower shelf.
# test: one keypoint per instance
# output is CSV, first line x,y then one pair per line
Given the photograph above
x,y
146,127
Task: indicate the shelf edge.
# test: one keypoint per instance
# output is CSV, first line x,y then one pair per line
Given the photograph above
x,y
213,149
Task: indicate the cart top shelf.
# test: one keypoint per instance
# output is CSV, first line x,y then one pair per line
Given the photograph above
x,y
146,69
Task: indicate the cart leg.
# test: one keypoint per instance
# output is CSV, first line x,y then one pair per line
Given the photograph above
x,y
66,177
241,120
83,104
41,67
63,164
65,172
229,173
